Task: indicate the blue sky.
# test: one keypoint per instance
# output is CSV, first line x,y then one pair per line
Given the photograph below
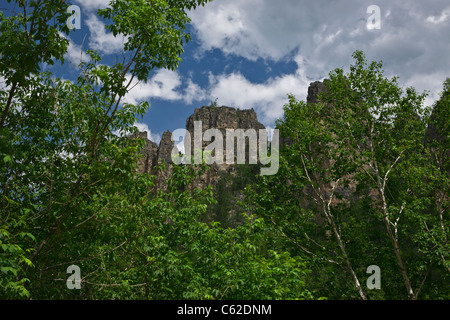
x,y
252,53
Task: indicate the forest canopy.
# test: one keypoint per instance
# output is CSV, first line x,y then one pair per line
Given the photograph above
x,y
363,181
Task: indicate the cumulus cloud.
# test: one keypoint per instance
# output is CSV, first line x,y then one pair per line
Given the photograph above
x,y
100,40
193,92
264,29
412,43
75,53
91,5
166,85
267,98
162,85
142,127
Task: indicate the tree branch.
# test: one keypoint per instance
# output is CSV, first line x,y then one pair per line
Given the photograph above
x,y
8,104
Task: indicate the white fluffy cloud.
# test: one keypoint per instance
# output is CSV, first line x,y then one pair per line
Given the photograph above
x,y
412,43
166,85
100,40
75,53
142,127
251,28
267,98
193,92
91,5
162,85
272,30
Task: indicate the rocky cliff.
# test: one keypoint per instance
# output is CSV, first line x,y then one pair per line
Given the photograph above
x,y
223,177
223,118
211,117
149,153
313,91
152,154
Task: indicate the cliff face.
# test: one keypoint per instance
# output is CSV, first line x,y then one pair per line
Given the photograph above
x,y
221,176
148,153
152,154
221,118
211,117
313,91
166,148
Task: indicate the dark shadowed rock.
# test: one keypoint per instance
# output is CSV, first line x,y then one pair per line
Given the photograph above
x,y
313,91
166,147
222,118
149,153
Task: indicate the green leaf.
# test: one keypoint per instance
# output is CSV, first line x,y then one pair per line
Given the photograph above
x,y
7,159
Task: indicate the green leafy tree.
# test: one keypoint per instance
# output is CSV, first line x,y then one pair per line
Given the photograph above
x,y
57,145
381,127
70,194
354,186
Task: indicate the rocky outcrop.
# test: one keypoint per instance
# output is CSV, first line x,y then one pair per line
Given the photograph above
x,y
218,176
221,118
314,89
166,148
149,153
224,118
211,117
221,176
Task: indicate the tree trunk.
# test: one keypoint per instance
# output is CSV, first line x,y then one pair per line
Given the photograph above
x,y
344,253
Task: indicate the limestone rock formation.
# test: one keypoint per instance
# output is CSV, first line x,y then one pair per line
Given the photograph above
x,y
152,154
313,91
211,117
221,176
149,153
224,118
221,118
166,148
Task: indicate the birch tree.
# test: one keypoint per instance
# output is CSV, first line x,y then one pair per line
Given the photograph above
x,y
358,185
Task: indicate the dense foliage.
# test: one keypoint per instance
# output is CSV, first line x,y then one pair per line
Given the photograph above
x,y
69,191
363,183
363,180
